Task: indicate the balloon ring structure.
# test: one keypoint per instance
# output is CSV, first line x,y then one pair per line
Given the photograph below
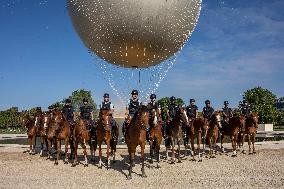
x,y
134,33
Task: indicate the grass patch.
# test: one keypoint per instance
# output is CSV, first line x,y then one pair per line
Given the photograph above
x,y
13,131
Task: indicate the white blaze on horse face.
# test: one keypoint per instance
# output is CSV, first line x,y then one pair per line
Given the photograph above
x,y
184,112
45,122
155,118
218,117
36,121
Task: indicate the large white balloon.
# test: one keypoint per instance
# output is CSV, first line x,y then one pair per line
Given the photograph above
x,y
134,33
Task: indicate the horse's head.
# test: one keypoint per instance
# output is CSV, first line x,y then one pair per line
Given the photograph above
x,y
25,120
181,113
46,119
38,120
254,117
105,118
58,118
154,116
216,118
144,115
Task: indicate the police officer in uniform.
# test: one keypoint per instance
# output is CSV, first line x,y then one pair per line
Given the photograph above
x,y
152,106
171,113
245,109
207,110
192,110
227,113
86,114
131,108
107,105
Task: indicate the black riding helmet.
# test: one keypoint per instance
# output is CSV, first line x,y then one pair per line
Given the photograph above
x,y
191,100
152,96
67,101
207,102
226,102
172,99
50,107
106,95
85,100
245,101
134,92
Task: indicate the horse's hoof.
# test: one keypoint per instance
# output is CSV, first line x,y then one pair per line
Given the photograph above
x,y
86,165
193,159
234,155
129,177
133,164
151,161
144,175
159,166
243,152
200,160
55,163
254,152
66,162
100,167
73,165
179,161
213,156
250,153
172,162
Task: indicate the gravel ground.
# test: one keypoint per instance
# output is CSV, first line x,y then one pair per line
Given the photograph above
x,y
263,170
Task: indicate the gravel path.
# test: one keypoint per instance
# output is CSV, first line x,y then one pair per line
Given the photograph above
x,y
263,170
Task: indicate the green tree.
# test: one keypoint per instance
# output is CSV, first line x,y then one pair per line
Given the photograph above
x,y
262,101
164,103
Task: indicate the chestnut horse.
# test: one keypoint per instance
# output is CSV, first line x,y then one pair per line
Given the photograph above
x,y
251,125
81,135
233,130
176,132
198,130
49,125
156,135
136,136
104,134
29,123
41,131
213,132
64,134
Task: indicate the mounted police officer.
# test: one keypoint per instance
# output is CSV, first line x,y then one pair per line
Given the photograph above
x,y
245,109
68,112
207,110
227,113
107,105
192,111
152,106
87,115
131,108
171,113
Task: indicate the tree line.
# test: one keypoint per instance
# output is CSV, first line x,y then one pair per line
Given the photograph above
x,y
261,100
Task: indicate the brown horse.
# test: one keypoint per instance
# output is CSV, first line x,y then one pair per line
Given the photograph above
x,y
198,130
156,135
29,123
176,133
103,133
136,136
41,131
114,140
49,125
251,125
82,136
233,130
64,134
213,132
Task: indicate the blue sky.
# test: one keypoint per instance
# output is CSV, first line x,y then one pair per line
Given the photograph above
x,y
237,45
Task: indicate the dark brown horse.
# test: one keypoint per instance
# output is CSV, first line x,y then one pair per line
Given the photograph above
x,y
81,134
233,129
136,136
251,125
114,139
104,134
64,134
29,123
156,135
213,132
49,125
198,130
176,132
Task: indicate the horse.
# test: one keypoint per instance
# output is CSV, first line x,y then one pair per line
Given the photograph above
x,y
251,124
233,130
41,131
29,123
156,135
136,135
104,134
114,140
49,125
198,130
213,132
64,134
81,134
175,133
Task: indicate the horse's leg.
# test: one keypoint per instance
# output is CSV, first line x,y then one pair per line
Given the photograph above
x,y
142,159
48,149
108,154
178,150
75,162
85,153
233,141
173,151
198,146
151,151
131,162
210,147
66,150
192,147
30,143
100,156
58,151
41,148
253,141
222,139
158,155
249,143
114,150
242,142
